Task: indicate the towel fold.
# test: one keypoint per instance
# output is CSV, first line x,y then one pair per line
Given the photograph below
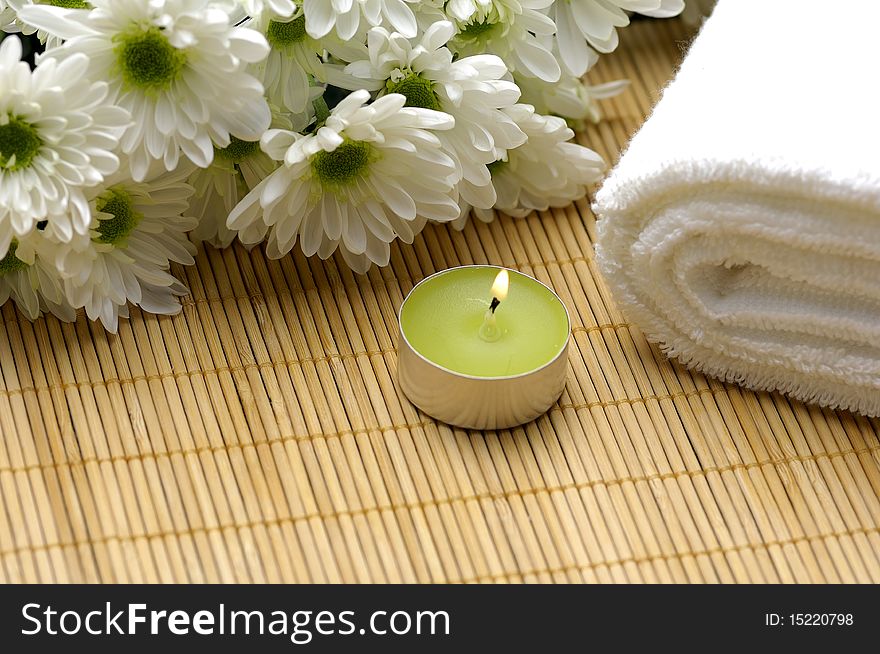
x,y
741,228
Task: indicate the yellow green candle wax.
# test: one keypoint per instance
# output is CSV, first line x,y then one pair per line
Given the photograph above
x,y
442,317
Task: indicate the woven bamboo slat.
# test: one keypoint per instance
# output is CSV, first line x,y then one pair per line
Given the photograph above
x,y
260,435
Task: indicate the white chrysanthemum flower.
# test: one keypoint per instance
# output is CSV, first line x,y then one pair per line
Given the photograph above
x,y
322,16
7,16
429,12
548,171
57,136
177,66
470,89
275,8
137,230
569,98
295,58
236,170
11,22
511,29
28,276
222,185
371,174
584,23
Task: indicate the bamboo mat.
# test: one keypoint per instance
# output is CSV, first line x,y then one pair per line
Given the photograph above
x,y
260,435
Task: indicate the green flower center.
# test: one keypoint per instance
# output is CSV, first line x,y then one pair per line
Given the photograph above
x,y
280,35
119,204
68,4
19,144
238,150
11,263
146,59
419,91
345,164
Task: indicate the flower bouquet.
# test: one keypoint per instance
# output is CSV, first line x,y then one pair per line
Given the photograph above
x,y
332,125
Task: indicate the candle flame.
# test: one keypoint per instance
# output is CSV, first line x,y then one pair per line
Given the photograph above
x,y
499,286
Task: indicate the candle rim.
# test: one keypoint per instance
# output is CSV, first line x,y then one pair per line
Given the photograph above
x,y
463,375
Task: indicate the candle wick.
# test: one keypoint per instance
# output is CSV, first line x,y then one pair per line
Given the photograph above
x,y
489,331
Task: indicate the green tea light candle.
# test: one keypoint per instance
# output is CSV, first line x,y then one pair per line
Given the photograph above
x,y
483,347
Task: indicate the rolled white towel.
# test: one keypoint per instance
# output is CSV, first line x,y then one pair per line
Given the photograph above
x,y
741,228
